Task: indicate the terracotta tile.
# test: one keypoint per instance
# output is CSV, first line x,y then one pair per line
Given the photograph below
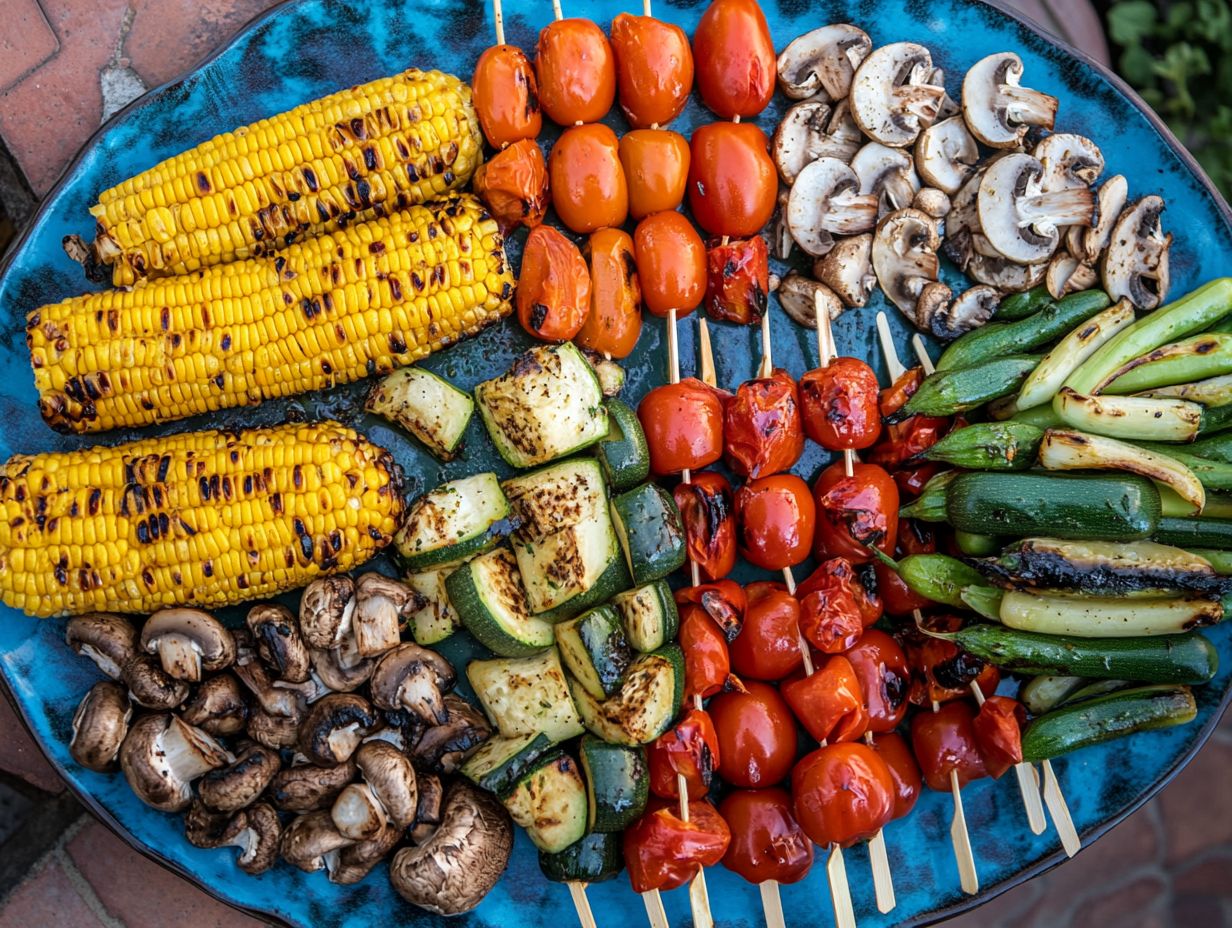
x,y
170,36
1137,903
1003,910
21,756
139,892
27,40
46,897
1186,804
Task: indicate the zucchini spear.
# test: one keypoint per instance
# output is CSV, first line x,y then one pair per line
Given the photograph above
x,y
1133,417
1097,617
945,393
1048,377
1194,358
1094,721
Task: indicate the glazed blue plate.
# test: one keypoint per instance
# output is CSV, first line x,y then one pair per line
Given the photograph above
x,y
307,48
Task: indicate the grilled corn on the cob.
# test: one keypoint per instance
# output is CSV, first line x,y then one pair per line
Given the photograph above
x,y
355,154
207,518
363,300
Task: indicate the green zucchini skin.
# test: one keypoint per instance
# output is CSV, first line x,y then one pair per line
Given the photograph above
x,y
989,446
1104,718
623,452
652,531
929,506
976,544
1189,658
503,776
595,858
595,650
649,615
946,393
617,781
1195,533
1020,305
1120,508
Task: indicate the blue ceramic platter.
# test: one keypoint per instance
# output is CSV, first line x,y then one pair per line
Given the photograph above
x,y
307,48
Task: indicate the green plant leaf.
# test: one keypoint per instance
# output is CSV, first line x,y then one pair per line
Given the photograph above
x,y
1131,20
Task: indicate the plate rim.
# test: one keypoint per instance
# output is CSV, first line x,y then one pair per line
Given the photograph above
x,y
932,917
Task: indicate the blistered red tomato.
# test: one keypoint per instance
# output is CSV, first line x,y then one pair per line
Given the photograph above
x,y
776,517
839,403
855,512
767,841
830,617
513,184
944,742
735,58
688,749
683,423
654,69
662,851
828,702
553,295
706,661
725,601
737,280
894,750
615,319
843,794
940,670
768,646
757,736
762,433
914,537
840,571
708,510
885,678
998,732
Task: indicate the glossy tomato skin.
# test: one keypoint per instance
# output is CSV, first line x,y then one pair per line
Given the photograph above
x,y
998,733
767,841
708,510
662,851
553,295
757,736
830,617
506,95
839,403
885,678
683,423
914,537
945,740
725,601
894,750
732,181
656,163
762,432
576,71
776,519
707,664
654,69
854,511
615,319
843,793
513,184
588,185
838,571
768,646
828,702
690,748
737,280
735,58
671,261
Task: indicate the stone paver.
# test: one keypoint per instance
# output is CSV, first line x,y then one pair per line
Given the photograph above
x,y
21,756
27,41
48,898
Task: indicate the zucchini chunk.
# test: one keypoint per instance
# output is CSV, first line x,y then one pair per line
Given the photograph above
x,y
549,801
438,619
650,531
523,696
491,603
647,702
649,615
623,451
500,762
429,407
457,520
548,405
617,783
597,857
595,650
556,497
562,571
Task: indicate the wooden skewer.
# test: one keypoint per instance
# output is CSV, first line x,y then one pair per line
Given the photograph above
x,y
500,22
1027,783
556,13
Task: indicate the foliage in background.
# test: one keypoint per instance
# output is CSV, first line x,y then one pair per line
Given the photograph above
x,y
1178,55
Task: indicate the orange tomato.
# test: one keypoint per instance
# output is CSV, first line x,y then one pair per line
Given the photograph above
x,y
735,58
506,96
732,183
656,163
671,263
553,293
775,518
513,184
588,184
683,423
615,319
654,69
577,72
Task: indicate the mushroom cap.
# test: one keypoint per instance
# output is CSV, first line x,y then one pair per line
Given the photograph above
x,y
273,731
354,862
886,173
325,611
413,678
1003,274
219,706
99,726
933,300
891,97
1088,244
457,866
188,641
275,633
256,831
1135,263
997,110
390,775
382,604
934,202
799,138
334,728
443,748
204,827
848,269
1069,160
969,310
823,61
337,676
237,785
161,756
904,256
150,686
1018,218
798,295
307,840
825,201
946,153
308,787
429,809
108,639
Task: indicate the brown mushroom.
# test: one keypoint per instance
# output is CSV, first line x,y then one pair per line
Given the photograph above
x,y
257,832
306,787
162,756
150,686
203,826
309,839
382,605
444,747
273,731
237,785
326,610
99,726
413,678
105,638
218,706
848,270
278,642
187,641
1135,263
429,809
334,728
892,96
798,295
338,675
355,861
386,795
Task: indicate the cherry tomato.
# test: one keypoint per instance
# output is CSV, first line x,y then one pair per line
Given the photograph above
x,y
830,617
588,184
706,661
553,294
615,319
885,678
656,163
577,72
757,736
735,58
855,511
690,748
767,841
708,510
513,184
733,186
506,96
662,851
840,405
894,750
737,280
654,69
940,670
844,793
671,261
762,434
775,516
724,601
902,441
828,702
895,396
683,423
768,646
998,732
912,480
944,741
840,571
914,537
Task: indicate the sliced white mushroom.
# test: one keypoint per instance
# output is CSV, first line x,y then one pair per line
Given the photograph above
x,y
998,110
1135,264
798,296
1004,274
848,269
947,107
904,256
825,201
1069,160
822,62
1088,244
945,154
932,201
1019,218
969,310
799,138
892,97
888,174
781,242
1066,274
843,136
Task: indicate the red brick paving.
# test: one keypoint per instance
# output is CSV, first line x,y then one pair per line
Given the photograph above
x,y
27,43
21,756
48,898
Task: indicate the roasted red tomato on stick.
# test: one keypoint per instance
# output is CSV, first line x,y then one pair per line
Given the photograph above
x,y
654,69
656,163
767,841
662,851
998,732
894,750
690,749
757,736
725,601
708,510
733,186
839,405
830,617
576,72
553,295
735,58
587,181
513,184
828,702
737,280
683,423
671,262
855,512
944,741
885,678
768,645
762,432
506,96
839,570
707,664
615,319
776,520
843,793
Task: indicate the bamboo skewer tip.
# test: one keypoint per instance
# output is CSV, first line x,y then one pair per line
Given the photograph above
x,y
500,22
968,878
655,912
772,904
1059,809
578,892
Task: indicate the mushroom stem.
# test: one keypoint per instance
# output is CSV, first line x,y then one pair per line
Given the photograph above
x,y
1075,206
1029,107
180,657
922,100
189,753
850,213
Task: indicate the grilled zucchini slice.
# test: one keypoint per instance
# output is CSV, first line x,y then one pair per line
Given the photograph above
x,y
528,695
501,762
644,707
595,650
457,520
623,451
650,531
491,602
549,801
617,783
438,619
649,615
429,407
